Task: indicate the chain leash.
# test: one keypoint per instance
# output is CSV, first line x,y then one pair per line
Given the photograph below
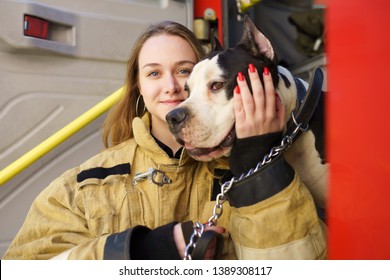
x,y
286,142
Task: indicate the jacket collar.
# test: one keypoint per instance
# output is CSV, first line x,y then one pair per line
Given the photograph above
x,y
144,139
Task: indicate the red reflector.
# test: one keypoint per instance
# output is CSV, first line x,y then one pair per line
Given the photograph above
x,y
36,27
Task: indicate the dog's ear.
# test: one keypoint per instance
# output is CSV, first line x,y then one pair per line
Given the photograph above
x,y
215,44
255,41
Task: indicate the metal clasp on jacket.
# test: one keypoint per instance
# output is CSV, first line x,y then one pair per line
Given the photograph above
x,y
153,175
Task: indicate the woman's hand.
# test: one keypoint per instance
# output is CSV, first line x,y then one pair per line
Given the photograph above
x,y
262,111
178,236
210,252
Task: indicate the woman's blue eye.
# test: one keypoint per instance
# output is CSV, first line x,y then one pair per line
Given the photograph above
x,y
185,71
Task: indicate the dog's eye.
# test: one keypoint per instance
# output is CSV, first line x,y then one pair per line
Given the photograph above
x,y
217,85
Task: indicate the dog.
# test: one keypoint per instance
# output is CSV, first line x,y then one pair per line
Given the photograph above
x,y
204,123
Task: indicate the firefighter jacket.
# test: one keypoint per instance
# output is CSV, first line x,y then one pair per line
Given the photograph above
x,y
91,211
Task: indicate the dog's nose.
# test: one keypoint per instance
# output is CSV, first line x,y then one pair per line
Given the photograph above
x,y
176,117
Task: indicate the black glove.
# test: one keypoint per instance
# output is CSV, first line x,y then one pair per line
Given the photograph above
x,y
266,182
269,180
142,243
248,152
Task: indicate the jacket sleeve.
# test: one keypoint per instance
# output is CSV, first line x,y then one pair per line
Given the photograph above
x,y
142,243
55,227
273,216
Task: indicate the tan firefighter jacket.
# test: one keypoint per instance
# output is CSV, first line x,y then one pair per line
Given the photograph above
x,y
77,213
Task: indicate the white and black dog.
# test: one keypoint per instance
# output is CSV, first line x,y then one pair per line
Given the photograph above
x,y
204,123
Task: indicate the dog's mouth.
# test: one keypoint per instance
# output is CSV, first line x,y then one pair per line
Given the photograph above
x,y
226,143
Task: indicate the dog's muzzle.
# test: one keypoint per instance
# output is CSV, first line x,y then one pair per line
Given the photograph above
x,y
176,120
179,118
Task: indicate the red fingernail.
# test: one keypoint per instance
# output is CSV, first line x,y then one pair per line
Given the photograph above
x,y
240,76
237,90
266,71
251,68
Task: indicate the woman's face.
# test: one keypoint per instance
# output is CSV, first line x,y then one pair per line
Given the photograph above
x,y
165,62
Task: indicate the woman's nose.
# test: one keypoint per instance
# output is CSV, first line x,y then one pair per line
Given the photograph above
x,y
172,85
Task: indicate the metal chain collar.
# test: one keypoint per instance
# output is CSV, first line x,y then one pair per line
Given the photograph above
x,y
286,142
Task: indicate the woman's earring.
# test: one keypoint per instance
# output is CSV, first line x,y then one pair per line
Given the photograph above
x,y
137,104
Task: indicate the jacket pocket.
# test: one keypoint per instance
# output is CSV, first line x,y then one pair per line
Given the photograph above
x,y
106,206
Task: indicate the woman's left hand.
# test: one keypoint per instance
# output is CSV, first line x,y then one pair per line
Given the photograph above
x,y
262,111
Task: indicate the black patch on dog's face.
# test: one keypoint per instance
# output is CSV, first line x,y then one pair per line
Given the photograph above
x,y
253,48
286,81
237,60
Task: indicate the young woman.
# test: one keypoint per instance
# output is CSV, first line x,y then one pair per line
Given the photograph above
x,y
139,198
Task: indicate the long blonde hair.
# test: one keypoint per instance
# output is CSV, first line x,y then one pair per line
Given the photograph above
x,y
117,127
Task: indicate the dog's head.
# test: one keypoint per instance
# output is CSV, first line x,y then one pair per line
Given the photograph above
x,y
204,123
